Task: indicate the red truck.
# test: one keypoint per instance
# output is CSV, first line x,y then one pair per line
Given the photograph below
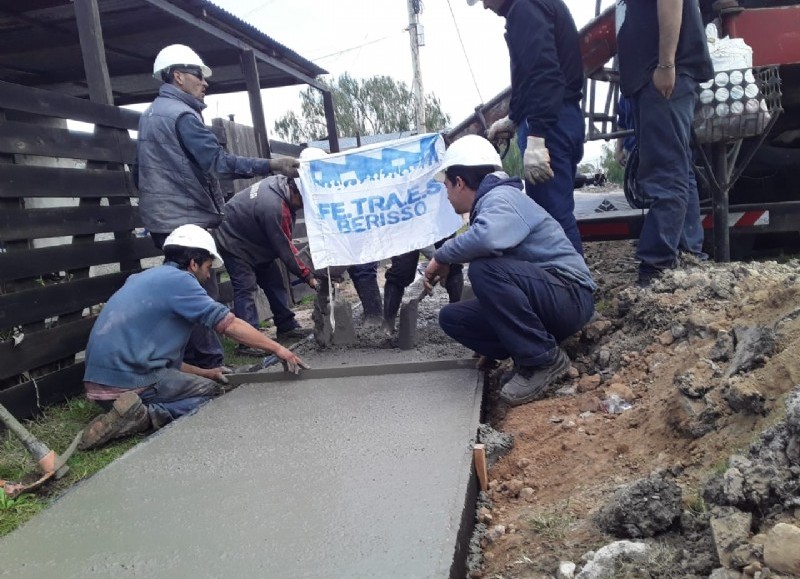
x,y
750,187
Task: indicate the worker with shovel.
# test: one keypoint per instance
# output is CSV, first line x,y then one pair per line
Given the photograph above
x,y
257,231
532,287
134,366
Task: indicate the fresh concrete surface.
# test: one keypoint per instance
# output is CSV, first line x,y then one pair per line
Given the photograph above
x,y
345,477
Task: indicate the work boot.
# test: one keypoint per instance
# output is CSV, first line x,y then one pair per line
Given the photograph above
x,y
370,297
242,350
530,384
297,333
127,416
454,284
392,297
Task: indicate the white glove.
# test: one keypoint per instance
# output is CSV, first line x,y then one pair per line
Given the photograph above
x,y
502,129
536,161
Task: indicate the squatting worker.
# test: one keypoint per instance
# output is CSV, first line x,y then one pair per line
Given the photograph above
x,y
545,108
663,55
179,160
134,366
532,288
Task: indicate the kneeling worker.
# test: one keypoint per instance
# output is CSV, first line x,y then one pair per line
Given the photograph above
x,y
134,365
532,288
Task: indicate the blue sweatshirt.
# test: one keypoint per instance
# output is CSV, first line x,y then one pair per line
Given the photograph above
x,y
145,326
504,221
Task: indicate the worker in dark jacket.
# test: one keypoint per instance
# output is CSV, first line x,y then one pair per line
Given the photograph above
x,y
532,288
545,111
662,56
179,160
258,230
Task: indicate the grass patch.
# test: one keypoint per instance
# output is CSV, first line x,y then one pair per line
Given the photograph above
x,y
55,427
551,525
660,562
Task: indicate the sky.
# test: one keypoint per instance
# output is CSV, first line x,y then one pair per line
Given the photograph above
x,y
369,37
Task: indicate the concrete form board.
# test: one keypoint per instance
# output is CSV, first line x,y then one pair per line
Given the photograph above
x,y
346,477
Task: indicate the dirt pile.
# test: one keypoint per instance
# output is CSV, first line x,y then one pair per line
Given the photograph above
x,y
678,428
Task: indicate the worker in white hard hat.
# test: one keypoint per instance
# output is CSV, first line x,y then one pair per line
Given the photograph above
x,y
532,288
134,358
179,161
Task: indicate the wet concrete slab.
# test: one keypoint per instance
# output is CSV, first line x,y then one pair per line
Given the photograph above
x,y
347,477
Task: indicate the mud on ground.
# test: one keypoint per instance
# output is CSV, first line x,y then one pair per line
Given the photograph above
x,y
673,417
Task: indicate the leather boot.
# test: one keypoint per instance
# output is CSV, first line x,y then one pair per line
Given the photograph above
x,y
454,286
392,297
370,297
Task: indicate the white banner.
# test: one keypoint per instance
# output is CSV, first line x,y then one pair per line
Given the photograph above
x,y
376,202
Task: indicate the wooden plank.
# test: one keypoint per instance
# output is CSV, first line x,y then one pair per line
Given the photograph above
x,y
43,102
250,69
23,401
30,139
53,222
33,181
93,50
35,262
44,347
48,301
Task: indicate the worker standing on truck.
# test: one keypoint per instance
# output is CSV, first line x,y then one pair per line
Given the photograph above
x,y
179,160
134,366
532,288
545,107
662,56
258,229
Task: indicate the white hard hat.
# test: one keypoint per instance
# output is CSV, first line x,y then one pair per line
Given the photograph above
x,y
312,153
469,151
194,236
178,55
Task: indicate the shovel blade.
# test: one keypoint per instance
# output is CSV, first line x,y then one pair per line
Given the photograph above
x,y
407,325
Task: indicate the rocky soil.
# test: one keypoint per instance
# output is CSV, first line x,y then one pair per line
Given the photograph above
x,y
672,450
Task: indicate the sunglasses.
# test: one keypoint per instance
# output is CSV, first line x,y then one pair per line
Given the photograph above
x,y
195,72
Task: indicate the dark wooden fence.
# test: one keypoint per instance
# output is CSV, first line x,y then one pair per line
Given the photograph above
x,y
70,234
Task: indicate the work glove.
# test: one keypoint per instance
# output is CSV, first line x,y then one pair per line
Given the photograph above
x,y
536,161
285,166
501,130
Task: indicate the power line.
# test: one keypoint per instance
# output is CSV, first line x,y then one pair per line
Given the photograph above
x,y
464,50
355,47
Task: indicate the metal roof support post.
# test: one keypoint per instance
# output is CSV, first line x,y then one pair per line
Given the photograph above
x,y
250,70
333,136
87,15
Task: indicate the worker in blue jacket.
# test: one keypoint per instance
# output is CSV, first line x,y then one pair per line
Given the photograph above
x,y
545,107
532,288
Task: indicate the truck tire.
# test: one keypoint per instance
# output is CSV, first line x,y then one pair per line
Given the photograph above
x,y
633,195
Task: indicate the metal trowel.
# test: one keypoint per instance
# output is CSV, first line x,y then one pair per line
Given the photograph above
x,y
407,323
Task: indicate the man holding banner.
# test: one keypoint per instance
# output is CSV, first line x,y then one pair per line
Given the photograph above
x,y
531,285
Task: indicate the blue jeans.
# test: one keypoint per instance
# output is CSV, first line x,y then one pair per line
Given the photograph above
x,y
520,311
175,394
203,349
666,175
564,142
268,276
363,272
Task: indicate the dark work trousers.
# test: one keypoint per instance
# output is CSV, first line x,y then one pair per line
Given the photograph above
x,y
404,267
663,133
363,272
564,142
520,311
204,349
268,276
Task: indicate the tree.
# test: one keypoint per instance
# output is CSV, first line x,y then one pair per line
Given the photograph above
x,y
372,106
615,173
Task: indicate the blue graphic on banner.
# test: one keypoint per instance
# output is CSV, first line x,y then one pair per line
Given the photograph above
x,y
377,164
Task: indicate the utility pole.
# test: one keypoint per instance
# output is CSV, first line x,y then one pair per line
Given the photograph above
x,y
417,40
